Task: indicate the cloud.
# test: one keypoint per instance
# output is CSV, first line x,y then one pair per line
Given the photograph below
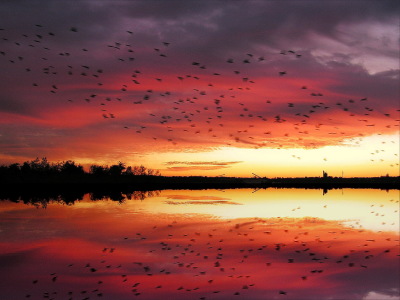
x,y
374,295
126,76
199,165
213,163
203,168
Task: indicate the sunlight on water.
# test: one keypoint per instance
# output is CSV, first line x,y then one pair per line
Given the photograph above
x,y
359,207
204,244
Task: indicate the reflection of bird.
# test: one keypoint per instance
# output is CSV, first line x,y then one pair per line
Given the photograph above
x,y
224,257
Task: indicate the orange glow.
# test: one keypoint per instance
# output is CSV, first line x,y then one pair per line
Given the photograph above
x,y
210,243
280,100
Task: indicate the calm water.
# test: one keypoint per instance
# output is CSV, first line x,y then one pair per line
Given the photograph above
x,y
209,244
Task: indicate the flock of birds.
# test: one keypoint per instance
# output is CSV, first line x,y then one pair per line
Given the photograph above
x,y
221,259
203,103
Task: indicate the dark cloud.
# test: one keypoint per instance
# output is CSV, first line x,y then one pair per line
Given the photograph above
x,y
221,26
170,10
212,25
343,49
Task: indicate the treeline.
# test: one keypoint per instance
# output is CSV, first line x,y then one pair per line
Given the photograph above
x,y
40,174
42,168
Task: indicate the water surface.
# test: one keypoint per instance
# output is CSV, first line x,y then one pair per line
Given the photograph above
x,y
205,244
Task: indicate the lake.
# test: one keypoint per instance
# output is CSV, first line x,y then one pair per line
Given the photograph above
x,y
203,244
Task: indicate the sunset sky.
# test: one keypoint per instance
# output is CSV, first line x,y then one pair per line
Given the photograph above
x,y
215,88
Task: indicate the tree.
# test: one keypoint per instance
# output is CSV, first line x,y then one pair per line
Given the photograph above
x,y
98,170
70,168
116,170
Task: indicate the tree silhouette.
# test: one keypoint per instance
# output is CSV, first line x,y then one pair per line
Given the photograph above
x,y
70,168
38,169
98,170
116,170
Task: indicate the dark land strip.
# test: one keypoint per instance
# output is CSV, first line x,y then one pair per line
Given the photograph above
x,y
42,190
148,182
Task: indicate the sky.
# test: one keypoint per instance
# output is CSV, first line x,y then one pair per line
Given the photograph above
x,y
210,88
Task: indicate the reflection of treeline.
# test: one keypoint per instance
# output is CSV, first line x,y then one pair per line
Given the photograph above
x,y
328,182
42,197
41,170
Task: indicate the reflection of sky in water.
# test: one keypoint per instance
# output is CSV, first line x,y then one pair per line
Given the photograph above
x,y
370,209
211,244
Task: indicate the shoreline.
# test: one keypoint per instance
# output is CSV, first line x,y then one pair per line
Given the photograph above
x,y
41,191
196,182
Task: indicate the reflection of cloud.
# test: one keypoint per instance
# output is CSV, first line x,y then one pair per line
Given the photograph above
x,y
290,254
15,258
187,197
202,202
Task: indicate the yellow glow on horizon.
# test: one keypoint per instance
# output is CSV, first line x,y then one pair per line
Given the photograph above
x,y
376,155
